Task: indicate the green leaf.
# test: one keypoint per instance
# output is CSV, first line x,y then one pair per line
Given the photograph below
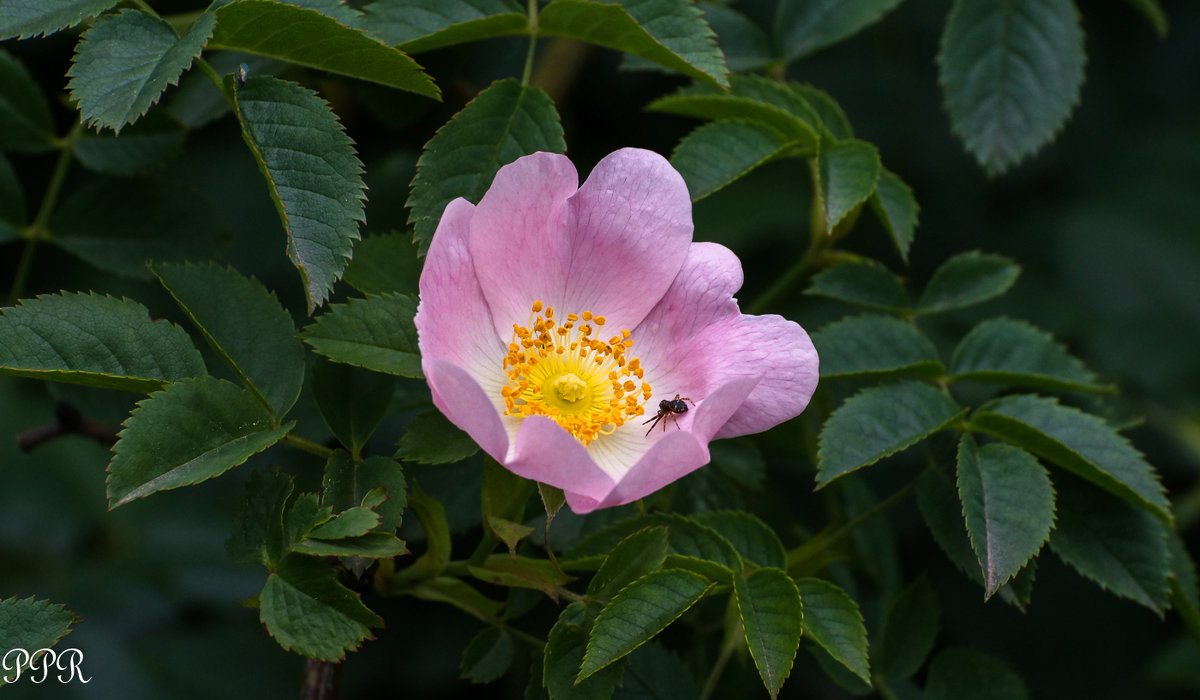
x,y
637,555
909,631
96,341
244,324
671,33
143,147
520,572
832,620
897,209
753,539
314,177
118,225
834,123
1012,72
347,484
1014,352
938,500
191,431
967,279
656,674
376,333
864,282
565,647
304,513
689,541
25,122
510,533
504,122
1121,547
875,345
432,516
421,25
23,19
803,26
752,98
487,656
307,611
638,612
432,439
32,625
373,545
879,422
1008,504
259,537
124,62
965,674
848,172
745,45
716,154
384,263
773,617
1078,442
503,493
352,401
351,522
308,38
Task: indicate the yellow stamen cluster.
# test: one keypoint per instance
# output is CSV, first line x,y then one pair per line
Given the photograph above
x,y
562,371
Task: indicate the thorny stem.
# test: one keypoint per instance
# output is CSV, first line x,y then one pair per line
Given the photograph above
x,y
37,230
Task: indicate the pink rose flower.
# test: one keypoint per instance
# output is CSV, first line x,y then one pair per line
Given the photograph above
x,y
556,319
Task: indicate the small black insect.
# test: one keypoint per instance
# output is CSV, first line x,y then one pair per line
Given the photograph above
x,y
672,408
242,71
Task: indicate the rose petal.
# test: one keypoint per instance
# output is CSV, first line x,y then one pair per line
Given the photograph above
x,y
453,317
461,399
630,227
674,341
517,239
784,348
674,455
545,452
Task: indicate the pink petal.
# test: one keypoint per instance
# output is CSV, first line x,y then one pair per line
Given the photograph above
x,y
784,348
612,247
631,227
545,452
453,312
518,239
696,339
461,399
676,454
673,341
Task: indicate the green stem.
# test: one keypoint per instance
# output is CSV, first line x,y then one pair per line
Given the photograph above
x,y
307,445
823,541
39,230
798,273
533,32
812,260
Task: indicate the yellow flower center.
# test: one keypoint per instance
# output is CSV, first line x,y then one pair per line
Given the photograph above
x,y
562,371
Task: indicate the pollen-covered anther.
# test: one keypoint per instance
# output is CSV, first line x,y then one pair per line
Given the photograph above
x,y
586,385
